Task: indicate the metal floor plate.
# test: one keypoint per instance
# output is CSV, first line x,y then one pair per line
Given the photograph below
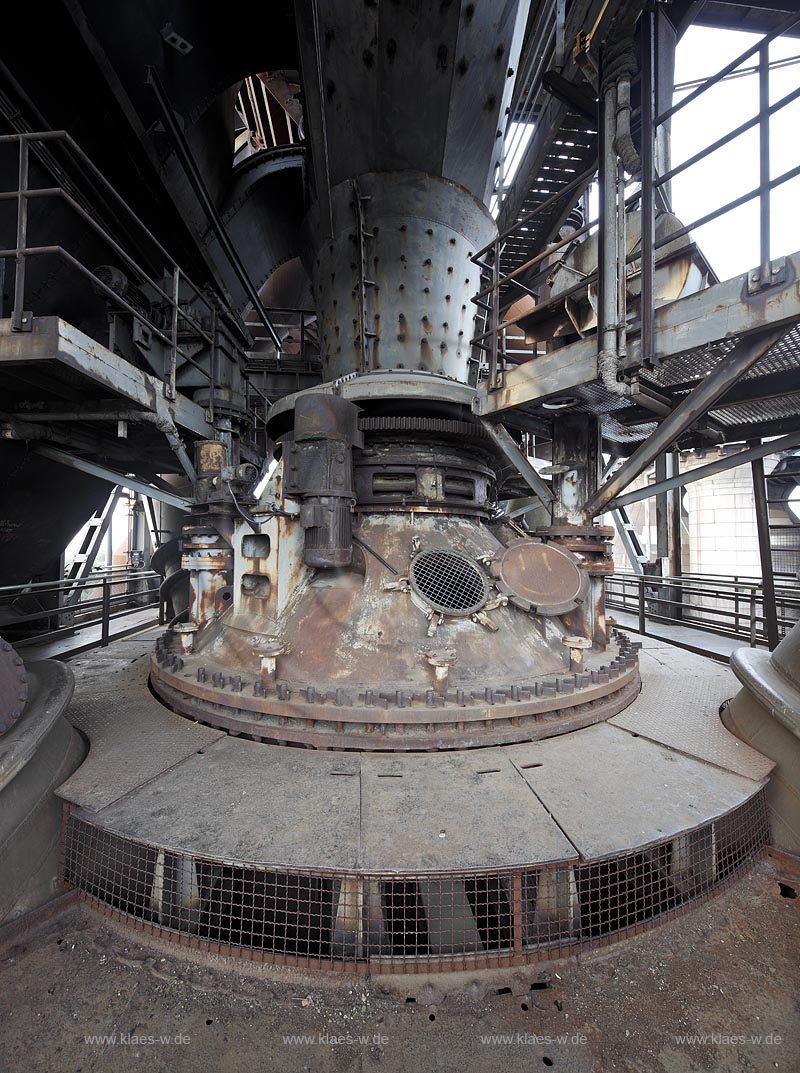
x,y
454,811
679,708
611,792
245,801
154,776
132,739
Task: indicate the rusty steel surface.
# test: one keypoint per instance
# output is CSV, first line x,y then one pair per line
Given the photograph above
x,y
358,645
13,686
404,719
405,303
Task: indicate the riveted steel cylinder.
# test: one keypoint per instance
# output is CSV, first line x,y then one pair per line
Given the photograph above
x,y
394,283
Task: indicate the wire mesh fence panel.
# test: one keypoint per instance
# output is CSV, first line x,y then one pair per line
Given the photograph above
x,y
407,922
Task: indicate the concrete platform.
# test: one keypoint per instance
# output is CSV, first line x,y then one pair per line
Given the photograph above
x,y
663,766
429,861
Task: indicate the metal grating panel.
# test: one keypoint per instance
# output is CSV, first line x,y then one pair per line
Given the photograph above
x,y
404,922
748,413
450,583
785,544
783,356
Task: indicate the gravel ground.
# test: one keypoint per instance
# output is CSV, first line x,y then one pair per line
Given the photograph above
x,y
726,969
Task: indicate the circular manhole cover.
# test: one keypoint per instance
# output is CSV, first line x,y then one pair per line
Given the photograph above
x,y
540,577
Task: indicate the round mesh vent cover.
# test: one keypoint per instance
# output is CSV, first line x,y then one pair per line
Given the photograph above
x,y
448,582
540,577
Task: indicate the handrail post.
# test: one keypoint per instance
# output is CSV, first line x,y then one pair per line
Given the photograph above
x,y
642,619
20,320
106,614
753,620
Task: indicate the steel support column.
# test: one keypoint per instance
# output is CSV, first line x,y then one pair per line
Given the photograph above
x,y
765,553
575,446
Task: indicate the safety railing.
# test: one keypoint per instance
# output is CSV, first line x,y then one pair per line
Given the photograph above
x,y
299,341
730,606
494,294
176,292
105,596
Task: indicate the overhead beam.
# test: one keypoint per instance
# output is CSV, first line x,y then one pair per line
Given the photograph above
x,y
556,373
722,312
114,477
745,354
53,340
699,474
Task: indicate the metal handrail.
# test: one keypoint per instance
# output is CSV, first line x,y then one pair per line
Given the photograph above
x,y
743,603
23,194
85,613
95,579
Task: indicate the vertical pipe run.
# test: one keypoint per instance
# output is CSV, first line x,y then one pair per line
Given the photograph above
x,y
648,176
763,153
622,273
607,334
765,553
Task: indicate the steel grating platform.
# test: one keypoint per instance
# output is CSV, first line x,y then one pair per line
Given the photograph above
x,y
413,862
